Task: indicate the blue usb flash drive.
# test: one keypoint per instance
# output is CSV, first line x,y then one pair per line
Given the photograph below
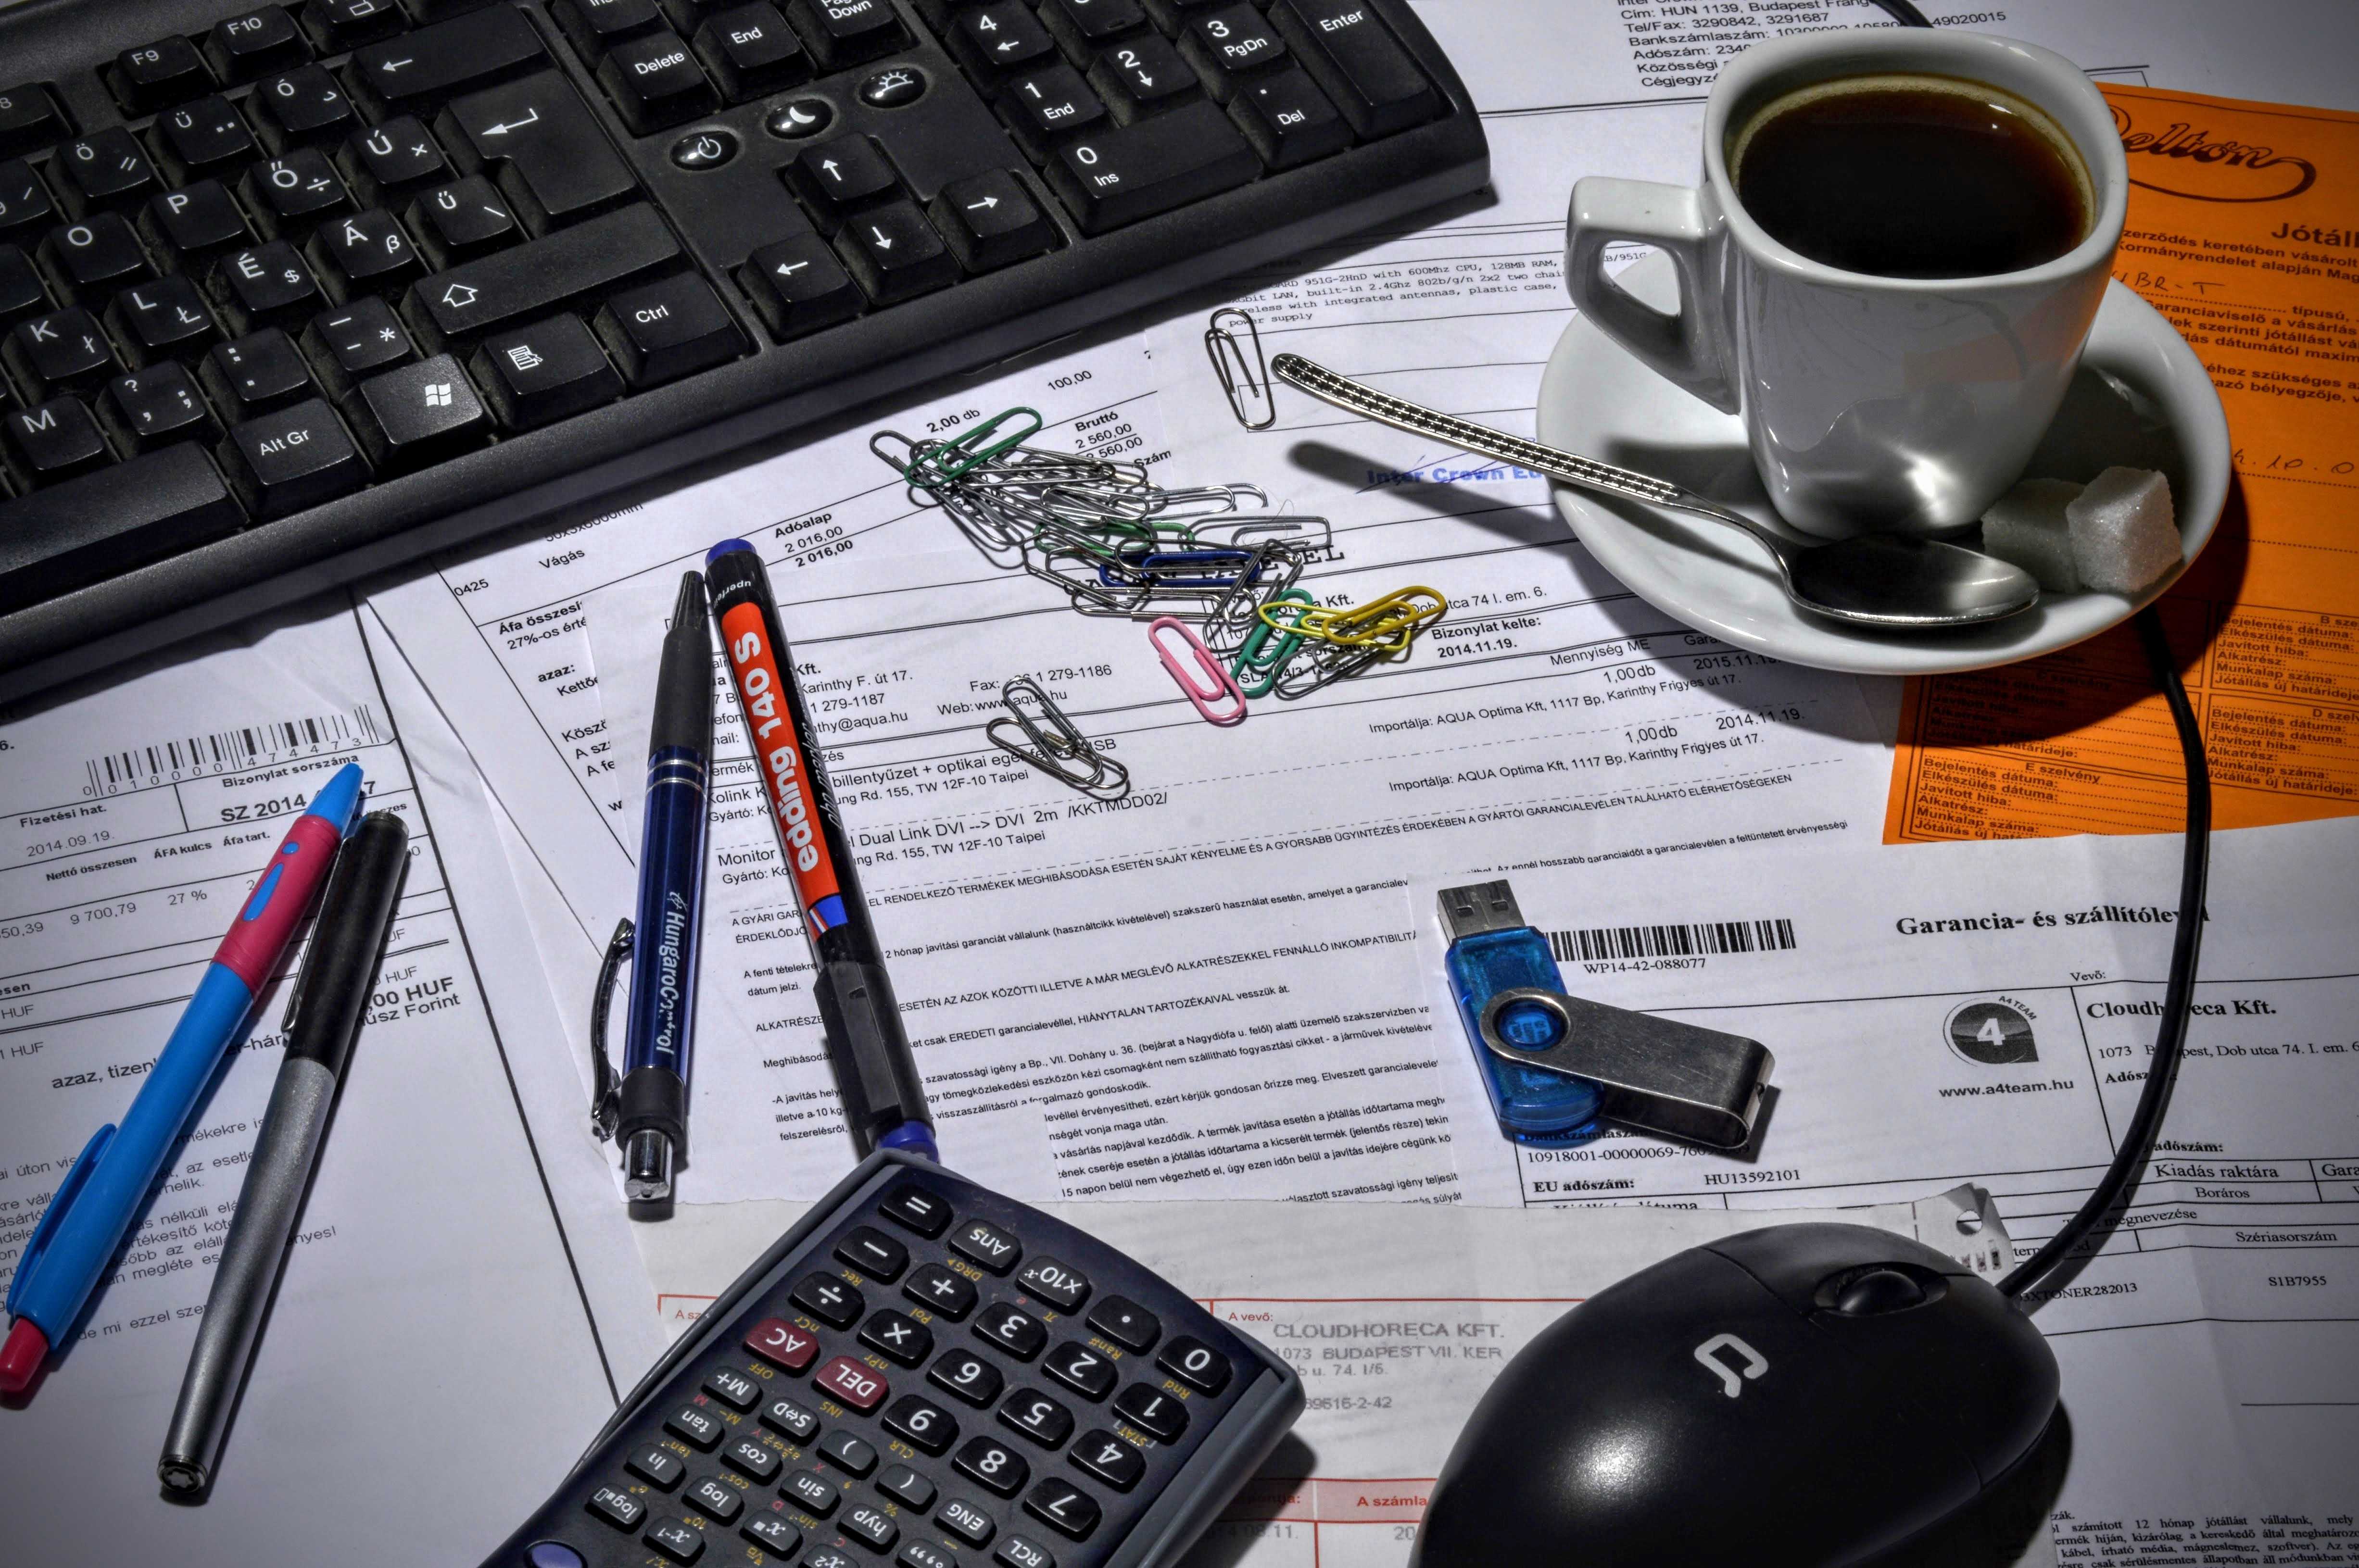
x,y
1492,950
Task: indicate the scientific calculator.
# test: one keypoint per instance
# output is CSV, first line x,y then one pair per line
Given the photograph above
x,y
928,1375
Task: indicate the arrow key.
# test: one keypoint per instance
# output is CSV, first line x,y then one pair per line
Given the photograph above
x,y
838,176
1141,76
800,287
993,41
989,219
895,253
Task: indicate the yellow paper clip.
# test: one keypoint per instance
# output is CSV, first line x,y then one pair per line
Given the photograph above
x,y
1387,625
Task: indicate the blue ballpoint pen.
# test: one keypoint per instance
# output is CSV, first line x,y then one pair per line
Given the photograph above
x,y
95,1207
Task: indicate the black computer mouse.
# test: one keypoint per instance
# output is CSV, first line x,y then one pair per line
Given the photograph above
x,y
1803,1394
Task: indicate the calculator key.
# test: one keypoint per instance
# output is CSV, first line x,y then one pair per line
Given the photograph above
x,y
540,141
1044,105
829,1557
1017,1553
840,175
244,46
989,219
906,1487
750,50
292,458
94,256
106,170
447,56
1288,120
617,1508
811,1492
987,1245
1013,1330
1196,1364
966,1521
799,286
415,414
756,1459
194,222
1000,37
25,206
305,104
715,1498
924,1554
676,1538
1122,174
1110,1459
694,1425
30,118
1060,1285
773,1534
55,441
991,1463
1037,1416
925,1426
940,1292
1153,1411
842,33
848,1453
853,1382
1081,26
60,351
787,1417
203,136
1356,61
916,1209
154,407
732,1388
873,1253
1228,47
1126,1323
1080,1369
659,1467
255,373
968,1376
895,253
154,75
655,83
871,1524
903,1338
781,1344
1064,1506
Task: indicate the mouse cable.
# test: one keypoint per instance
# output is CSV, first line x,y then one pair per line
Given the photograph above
x,y
2179,994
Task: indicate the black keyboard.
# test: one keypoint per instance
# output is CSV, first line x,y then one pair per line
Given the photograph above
x,y
928,1375
294,293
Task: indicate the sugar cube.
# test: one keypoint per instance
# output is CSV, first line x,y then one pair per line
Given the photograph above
x,y
2123,534
2026,526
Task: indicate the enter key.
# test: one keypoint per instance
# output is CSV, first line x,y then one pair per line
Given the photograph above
x,y
542,145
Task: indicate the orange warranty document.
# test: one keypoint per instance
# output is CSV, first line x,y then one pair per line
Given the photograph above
x,y
2244,230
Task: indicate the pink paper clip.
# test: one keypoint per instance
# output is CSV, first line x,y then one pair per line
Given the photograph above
x,y
1209,682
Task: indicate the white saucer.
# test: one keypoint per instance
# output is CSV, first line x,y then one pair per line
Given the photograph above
x,y
2141,400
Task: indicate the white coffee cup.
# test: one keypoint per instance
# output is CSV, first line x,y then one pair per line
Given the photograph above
x,y
1871,404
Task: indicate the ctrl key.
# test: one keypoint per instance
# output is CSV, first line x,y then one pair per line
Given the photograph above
x,y
295,458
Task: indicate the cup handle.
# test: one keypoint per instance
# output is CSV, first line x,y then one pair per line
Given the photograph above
x,y
1688,346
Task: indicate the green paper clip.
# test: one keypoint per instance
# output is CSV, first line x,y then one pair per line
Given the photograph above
x,y
1250,654
973,448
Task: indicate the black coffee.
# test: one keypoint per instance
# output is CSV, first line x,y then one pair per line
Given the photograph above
x,y
1912,177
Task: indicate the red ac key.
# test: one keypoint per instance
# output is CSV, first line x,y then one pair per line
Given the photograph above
x,y
855,1384
781,1344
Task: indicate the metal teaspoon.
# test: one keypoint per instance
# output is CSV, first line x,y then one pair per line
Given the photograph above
x,y
1889,580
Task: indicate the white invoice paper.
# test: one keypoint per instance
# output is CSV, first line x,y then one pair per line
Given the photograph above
x,y
1984,1012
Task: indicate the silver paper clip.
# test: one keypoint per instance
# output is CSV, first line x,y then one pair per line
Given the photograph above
x,y
1057,748
1243,370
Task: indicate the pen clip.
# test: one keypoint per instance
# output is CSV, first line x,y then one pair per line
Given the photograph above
x,y
606,1095
60,1202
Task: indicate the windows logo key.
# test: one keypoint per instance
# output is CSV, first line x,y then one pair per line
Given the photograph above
x,y
436,394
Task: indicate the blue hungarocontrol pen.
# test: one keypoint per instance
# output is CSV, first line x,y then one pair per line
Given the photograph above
x,y
1492,950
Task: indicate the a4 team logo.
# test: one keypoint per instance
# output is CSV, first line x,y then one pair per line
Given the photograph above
x,y
1992,1031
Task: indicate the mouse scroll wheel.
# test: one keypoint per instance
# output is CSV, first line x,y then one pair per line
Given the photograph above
x,y
1879,1290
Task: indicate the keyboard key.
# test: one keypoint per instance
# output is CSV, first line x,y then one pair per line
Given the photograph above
x,y
968,1376
829,1299
915,1208
660,1468
1289,120
848,1453
161,320
392,159
594,24
1171,16
60,352
987,1245
524,280
782,1345
1126,1322
906,1487
940,1290
732,1388
617,1508
1082,26
1121,175
544,145
662,330
783,1415
361,339
838,176
336,26
150,408
289,194
840,33
1061,1285
694,1425
251,43
1196,1364
107,169
293,459
1000,38
895,253
812,1492
1153,1411
991,1463
1110,1459
873,1253
1012,1329
366,251
676,1538
798,286
754,1459
871,1524
1063,1506
655,83
921,1423
966,1521
750,50
1017,1553
54,441
435,62
773,1534
199,138
22,292
925,1555
416,415
69,535
464,219
1047,104
264,283
855,1383
1037,1416
989,220
715,1498
194,225
1358,63
552,370
305,104
1228,47
30,118
898,1338
25,203
1081,1369
96,256
1141,76
163,72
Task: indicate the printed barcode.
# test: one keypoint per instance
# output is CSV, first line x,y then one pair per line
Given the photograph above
x,y
226,751
1687,941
